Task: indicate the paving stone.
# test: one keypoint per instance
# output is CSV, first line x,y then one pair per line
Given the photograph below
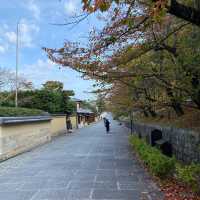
x,y
106,177
6,187
107,165
56,184
74,185
16,195
59,194
132,185
78,195
86,165
128,178
112,185
84,177
115,194
32,185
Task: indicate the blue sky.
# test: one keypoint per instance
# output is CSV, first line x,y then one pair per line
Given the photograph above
x,y
36,31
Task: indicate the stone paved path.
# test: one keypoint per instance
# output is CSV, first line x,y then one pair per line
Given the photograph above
x,y
88,164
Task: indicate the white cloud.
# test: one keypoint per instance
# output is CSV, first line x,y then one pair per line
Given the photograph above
x,y
35,10
43,65
2,49
42,69
11,36
27,33
71,7
3,40
5,26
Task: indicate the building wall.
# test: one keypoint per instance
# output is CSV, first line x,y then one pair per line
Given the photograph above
x,y
18,135
17,138
58,125
78,105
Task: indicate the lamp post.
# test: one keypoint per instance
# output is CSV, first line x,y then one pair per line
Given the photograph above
x,y
131,121
17,62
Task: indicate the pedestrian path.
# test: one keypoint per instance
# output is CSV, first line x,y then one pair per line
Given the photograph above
x,y
87,164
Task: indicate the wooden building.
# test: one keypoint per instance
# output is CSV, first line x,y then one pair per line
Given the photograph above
x,y
83,116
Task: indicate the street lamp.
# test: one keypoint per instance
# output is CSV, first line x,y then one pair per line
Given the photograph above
x,y
17,62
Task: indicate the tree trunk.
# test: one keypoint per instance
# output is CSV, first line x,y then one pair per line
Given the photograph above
x,y
178,109
145,113
196,96
185,12
197,4
174,103
151,111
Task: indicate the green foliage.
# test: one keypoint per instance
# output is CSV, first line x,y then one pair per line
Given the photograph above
x,y
68,106
51,99
162,166
159,164
14,112
89,105
53,86
104,6
47,100
119,114
141,47
100,103
189,175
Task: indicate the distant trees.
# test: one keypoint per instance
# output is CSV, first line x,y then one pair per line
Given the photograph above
x,y
91,105
8,81
100,103
51,98
53,86
8,84
4,75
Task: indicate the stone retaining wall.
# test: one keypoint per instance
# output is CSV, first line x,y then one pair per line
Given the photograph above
x,y
19,134
185,143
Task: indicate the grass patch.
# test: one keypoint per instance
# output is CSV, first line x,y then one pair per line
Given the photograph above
x,y
163,166
19,112
159,164
189,175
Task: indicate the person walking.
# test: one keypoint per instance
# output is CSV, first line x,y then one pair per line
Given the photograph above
x,y
69,125
107,125
104,121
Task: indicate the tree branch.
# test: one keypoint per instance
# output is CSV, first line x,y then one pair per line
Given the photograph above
x,y
184,12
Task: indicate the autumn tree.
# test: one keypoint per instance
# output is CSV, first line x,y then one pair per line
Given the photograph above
x,y
8,84
152,54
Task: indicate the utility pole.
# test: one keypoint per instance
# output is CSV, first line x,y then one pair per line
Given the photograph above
x,y
17,61
131,121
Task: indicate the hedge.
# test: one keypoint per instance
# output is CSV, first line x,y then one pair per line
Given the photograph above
x,y
19,112
159,164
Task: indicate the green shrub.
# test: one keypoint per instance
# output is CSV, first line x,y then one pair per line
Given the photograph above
x,y
189,175
51,101
16,112
159,164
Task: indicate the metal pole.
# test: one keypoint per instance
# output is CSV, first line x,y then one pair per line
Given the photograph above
x,y
131,121
17,61
77,106
131,126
